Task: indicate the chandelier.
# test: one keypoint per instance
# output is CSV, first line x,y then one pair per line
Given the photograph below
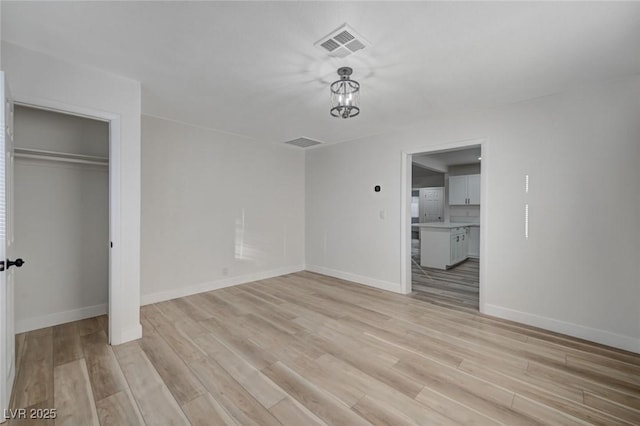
x,y
345,95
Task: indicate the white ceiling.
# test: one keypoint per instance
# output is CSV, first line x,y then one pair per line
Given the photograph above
x,y
450,158
251,68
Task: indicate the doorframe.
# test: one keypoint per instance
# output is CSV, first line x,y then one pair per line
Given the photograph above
x,y
405,211
115,253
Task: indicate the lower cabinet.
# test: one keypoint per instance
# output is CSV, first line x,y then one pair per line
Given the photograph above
x,y
459,245
442,248
474,242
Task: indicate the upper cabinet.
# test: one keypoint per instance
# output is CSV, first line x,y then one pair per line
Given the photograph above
x,y
464,190
473,189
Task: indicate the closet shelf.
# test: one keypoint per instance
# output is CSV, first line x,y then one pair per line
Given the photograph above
x,y
38,154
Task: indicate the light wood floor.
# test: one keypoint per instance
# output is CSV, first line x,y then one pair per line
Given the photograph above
x,y
458,286
305,349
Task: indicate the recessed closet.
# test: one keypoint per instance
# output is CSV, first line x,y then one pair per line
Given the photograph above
x,y
61,210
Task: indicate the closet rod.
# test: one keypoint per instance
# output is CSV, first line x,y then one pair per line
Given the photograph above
x,y
37,154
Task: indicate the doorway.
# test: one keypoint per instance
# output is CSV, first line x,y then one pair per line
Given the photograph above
x,y
61,208
95,163
441,255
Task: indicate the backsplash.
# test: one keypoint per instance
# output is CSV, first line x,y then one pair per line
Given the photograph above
x,y
464,214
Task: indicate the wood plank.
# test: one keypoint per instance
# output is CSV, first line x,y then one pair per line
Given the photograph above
x,y
320,403
119,409
544,413
28,420
104,372
182,384
180,343
249,350
626,413
66,344
327,379
417,412
252,379
239,403
379,413
34,380
291,413
89,326
310,349
475,394
73,397
205,410
157,405
155,316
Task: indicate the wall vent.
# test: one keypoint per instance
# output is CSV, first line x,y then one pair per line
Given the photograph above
x,y
303,142
342,42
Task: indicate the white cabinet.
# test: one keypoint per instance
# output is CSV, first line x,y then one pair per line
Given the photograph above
x,y
443,247
457,190
474,242
459,245
464,190
473,189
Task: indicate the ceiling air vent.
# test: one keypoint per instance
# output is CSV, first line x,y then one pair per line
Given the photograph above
x,y
342,42
303,142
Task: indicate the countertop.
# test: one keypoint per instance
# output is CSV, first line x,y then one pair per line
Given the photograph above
x,y
446,225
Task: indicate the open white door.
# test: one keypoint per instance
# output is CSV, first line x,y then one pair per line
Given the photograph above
x,y
7,331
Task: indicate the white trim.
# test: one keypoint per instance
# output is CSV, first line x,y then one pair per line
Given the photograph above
x,y
405,220
485,171
127,335
360,279
49,320
116,327
161,296
604,337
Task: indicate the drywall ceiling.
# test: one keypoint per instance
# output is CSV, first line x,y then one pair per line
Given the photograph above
x,y
417,170
450,158
251,68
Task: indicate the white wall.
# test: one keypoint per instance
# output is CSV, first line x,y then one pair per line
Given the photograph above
x,y
52,131
42,79
421,178
577,273
217,209
61,219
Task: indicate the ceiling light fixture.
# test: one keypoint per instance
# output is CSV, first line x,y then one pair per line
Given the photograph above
x,y
345,95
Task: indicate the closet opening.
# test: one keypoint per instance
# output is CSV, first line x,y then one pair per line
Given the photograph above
x,y
62,218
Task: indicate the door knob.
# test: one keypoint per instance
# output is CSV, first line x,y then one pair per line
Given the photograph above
x,y
9,263
18,263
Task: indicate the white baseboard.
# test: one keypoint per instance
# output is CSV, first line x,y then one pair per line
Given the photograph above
x,y
161,296
35,323
360,279
592,334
